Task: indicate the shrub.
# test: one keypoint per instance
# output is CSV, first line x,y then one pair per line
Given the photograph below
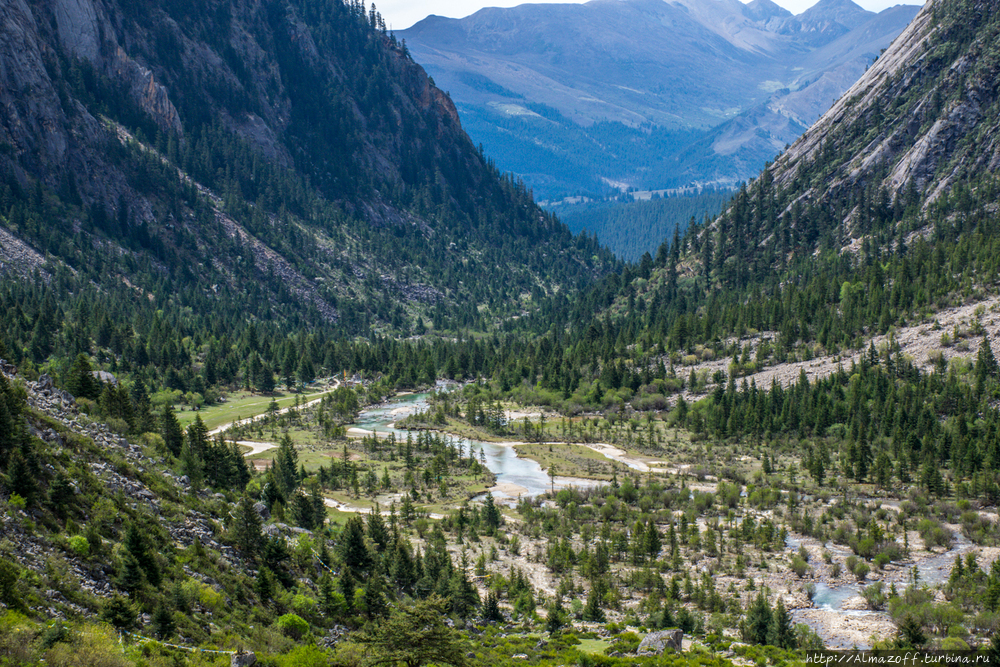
x,y
799,566
874,596
79,545
303,604
293,626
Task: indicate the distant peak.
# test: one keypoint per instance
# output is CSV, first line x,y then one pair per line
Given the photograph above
x,y
825,6
765,9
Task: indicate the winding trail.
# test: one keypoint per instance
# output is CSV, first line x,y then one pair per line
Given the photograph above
x,y
260,447
344,507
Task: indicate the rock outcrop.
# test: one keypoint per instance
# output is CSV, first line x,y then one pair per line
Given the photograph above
x,y
657,642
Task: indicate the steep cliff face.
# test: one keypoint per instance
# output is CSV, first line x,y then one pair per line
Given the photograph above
x,y
309,130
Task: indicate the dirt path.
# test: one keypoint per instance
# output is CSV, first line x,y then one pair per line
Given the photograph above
x,y
344,507
259,447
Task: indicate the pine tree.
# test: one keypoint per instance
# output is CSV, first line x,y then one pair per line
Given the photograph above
x,y
491,609
119,612
246,529
302,511
592,610
491,514
137,543
80,382
376,529
757,622
163,621
352,546
780,632
170,429
22,472
285,466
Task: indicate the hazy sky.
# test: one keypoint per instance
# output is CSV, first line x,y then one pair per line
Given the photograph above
x,y
401,14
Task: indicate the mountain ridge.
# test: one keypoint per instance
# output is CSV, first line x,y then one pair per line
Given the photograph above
x,y
639,70
300,132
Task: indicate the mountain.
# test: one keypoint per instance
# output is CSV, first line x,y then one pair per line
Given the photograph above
x,y
289,162
881,216
639,92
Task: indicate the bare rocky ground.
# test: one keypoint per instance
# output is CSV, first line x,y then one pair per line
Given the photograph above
x,y
17,257
922,343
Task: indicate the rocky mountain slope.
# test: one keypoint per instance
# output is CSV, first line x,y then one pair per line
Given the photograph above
x,y
285,160
647,93
880,216
907,153
923,118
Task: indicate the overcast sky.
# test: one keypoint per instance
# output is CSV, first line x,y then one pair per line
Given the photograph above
x,y
401,14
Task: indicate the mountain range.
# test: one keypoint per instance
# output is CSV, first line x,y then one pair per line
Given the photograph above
x,y
647,93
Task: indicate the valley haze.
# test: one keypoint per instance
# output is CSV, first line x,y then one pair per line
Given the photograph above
x,y
402,14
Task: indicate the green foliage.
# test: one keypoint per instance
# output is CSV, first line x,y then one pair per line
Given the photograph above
x,y
79,545
119,612
9,575
416,635
633,228
292,625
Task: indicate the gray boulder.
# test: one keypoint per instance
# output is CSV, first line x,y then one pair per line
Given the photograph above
x,y
656,642
243,659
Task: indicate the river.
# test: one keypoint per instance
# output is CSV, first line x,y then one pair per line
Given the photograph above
x,y
931,571
516,477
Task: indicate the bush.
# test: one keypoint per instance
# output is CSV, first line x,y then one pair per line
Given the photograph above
x,y
303,604
79,545
799,566
935,534
874,596
292,626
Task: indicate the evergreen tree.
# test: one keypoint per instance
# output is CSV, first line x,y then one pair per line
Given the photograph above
x,y
592,610
170,429
351,545
757,622
119,612
556,615
163,621
80,382
23,471
246,529
137,543
780,632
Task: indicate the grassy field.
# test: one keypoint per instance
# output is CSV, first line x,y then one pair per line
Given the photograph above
x,y
570,460
463,429
244,404
314,452
593,646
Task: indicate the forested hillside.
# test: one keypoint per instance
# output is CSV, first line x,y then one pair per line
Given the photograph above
x,y
207,166
632,228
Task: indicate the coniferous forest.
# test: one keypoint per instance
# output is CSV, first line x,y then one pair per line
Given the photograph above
x,y
290,368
